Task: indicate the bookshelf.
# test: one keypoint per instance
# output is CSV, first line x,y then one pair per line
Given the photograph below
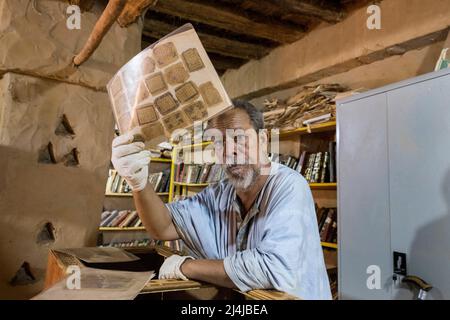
x,y
329,245
314,128
121,201
313,139
181,183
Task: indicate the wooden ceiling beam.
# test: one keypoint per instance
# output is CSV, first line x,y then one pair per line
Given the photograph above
x,y
224,63
226,47
329,11
213,14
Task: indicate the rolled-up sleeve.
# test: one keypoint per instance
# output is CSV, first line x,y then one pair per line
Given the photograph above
x,y
192,220
274,263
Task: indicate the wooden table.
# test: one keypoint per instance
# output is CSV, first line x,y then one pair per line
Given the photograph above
x,y
161,289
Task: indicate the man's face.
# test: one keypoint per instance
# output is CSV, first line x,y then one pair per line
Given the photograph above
x,y
239,148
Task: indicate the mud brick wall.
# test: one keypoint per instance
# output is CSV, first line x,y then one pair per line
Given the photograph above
x,y
56,127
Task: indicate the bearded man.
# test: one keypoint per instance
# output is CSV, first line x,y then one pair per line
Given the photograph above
x,y
256,229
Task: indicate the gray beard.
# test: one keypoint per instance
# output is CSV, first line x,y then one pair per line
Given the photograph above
x,y
242,182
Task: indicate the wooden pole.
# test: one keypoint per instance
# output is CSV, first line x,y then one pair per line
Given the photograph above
x,y
104,23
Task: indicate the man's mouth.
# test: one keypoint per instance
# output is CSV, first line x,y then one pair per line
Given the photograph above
x,y
235,168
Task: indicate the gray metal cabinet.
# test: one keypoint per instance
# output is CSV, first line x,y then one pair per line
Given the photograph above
x,y
394,187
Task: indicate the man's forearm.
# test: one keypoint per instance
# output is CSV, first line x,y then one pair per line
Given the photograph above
x,y
211,271
154,214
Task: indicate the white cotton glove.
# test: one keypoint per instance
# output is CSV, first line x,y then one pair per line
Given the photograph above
x,y
131,160
171,268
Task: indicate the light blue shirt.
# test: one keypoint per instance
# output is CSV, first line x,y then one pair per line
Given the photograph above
x,y
276,246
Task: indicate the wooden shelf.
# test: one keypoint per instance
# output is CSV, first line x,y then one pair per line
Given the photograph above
x,y
121,229
161,160
320,127
329,245
184,184
112,194
323,186
203,144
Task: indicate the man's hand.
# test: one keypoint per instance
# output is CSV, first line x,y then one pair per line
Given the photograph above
x,y
131,161
171,268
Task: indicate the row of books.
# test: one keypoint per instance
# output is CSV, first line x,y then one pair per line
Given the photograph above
x,y
120,219
198,173
327,219
132,243
159,180
116,183
318,167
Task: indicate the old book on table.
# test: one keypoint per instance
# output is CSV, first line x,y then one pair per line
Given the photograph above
x,y
100,255
99,284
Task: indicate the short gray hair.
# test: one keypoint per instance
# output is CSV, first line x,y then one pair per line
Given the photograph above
x,y
256,116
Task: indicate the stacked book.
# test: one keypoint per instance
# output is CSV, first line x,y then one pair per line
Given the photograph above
x,y
198,173
120,219
309,106
327,219
316,167
117,184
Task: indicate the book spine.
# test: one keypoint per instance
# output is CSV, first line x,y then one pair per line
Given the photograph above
x,y
324,167
332,166
301,162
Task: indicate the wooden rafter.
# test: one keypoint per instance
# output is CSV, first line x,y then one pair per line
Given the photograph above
x,y
213,14
329,11
233,48
104,23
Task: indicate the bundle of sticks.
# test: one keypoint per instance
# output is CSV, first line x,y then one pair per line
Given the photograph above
x,y
309,103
